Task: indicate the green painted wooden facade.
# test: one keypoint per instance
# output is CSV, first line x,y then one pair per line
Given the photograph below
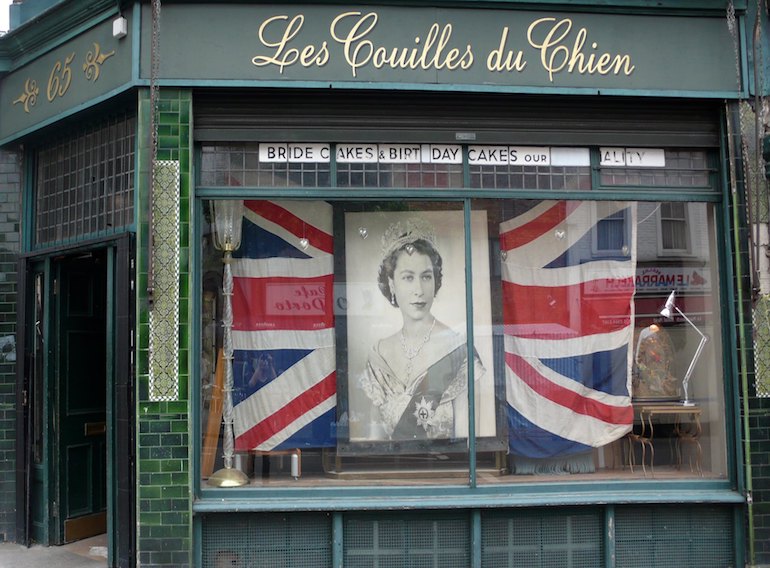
x,y
175,526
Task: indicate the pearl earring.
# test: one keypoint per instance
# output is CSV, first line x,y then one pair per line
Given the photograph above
x,y
392,298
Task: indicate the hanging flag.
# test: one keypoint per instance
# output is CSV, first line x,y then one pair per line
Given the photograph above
x,y
284,363
568,286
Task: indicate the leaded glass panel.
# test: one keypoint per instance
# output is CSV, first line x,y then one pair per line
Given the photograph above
x,y
85,182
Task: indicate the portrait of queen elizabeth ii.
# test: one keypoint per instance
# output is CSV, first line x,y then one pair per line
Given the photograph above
x,y
412,381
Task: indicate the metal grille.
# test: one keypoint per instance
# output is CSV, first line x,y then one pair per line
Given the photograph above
x,y
542,539
674,537
85,183
530,177
399,175
278,541
683,168
238,165
392,541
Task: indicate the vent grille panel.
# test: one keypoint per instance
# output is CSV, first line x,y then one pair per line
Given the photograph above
x,y
285,541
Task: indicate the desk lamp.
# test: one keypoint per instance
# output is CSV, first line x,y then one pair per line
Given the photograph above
x,y
666,313
227,216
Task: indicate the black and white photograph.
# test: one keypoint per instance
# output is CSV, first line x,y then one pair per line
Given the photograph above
x,y
406,325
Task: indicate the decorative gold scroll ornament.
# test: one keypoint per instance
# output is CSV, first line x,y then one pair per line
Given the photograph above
x,y
94,61
29,97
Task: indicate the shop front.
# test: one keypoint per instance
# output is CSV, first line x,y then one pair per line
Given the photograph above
x,y
415,285
360,276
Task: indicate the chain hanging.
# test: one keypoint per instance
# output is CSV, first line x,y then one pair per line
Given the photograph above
x,y
154,95
762,207
738,138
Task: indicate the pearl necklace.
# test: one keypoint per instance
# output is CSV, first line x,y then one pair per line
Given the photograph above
x,y
412,352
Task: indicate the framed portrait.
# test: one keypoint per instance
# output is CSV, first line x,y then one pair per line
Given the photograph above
x,y
404,388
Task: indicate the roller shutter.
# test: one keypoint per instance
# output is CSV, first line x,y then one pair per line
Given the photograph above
x,y
444,117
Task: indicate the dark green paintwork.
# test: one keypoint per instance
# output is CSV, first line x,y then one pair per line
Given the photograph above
x,y
49,71
668,53
81,392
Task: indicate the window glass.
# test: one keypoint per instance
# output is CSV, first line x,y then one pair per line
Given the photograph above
x,y
679,168
602,369
349,341
266,165
529,167
85,182
335,339
350,352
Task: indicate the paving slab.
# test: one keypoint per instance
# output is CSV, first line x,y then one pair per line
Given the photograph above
x,y
88,553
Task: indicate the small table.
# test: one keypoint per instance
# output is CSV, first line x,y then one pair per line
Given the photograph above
x,y
687,430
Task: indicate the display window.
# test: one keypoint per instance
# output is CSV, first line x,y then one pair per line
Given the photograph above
x,y
362,339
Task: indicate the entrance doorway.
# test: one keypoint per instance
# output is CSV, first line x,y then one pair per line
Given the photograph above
x,y
68,392
79,449
80,394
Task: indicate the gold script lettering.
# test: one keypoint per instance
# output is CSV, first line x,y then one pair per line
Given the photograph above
x,y
500,59
433,53
555,56
550,50
357,51
60,79
284,56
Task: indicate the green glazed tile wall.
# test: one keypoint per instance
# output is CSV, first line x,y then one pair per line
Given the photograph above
x,y
10,189
164,487
759,433
759,413
759,427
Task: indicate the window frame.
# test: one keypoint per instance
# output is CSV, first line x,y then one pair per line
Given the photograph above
x,y
362,497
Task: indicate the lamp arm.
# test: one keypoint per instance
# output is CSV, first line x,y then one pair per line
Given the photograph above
x,y
696,356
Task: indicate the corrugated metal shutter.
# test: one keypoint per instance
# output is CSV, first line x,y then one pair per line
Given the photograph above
x,y
441,117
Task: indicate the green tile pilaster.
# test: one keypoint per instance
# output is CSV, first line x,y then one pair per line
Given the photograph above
x,y
164,482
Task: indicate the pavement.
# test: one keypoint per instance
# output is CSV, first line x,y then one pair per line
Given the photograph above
x,y
88,553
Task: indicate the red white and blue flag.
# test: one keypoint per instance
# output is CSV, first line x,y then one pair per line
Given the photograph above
x,y
284,364
568,286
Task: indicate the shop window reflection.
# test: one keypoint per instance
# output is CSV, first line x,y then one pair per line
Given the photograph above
x,y
536,413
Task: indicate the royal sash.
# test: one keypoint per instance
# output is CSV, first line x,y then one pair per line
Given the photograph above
x,y
416,420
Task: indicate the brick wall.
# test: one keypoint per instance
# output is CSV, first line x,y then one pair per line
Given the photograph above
x,y
10,185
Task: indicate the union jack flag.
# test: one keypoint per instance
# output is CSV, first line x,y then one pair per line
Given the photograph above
x,y
568,286
284,365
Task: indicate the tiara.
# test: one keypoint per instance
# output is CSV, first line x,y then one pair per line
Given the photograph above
x,y
399,234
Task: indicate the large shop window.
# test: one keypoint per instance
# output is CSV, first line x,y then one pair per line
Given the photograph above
x,y
347,356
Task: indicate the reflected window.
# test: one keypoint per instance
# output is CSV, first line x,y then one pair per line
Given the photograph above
x,y
674,229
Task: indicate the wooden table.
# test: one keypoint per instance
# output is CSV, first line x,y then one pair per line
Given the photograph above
x,y
687,431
